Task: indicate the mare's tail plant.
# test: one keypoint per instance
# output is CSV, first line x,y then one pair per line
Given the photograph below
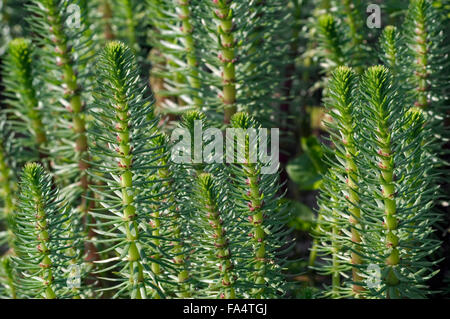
x,y
22,94
400,189
256,196
178,191
340,227
379,194
125,162
65,51
214,60
45,245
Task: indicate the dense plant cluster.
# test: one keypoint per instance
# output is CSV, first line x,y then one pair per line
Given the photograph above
x,y
101,98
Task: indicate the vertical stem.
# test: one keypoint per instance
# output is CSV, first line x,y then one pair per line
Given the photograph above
x,y
343,101
390,51
178,248
353,197
386,165
72,93
379,83
352,187
224,16
43,239
256,218
420,51
221,242
350,9
128,194
21,56
191,58
131,24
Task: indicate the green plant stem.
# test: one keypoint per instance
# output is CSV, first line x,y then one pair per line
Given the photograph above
x,y
386,175
256,218
124,152
20,54
343,101
131,24
351,12
191,58
175,230
32,179
353,197
224,16
222,251
386,166
389,44
421,50
352,190
73,94
330,40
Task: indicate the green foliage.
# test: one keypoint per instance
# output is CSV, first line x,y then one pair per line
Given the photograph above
x,y
332,41
123,128
103,208
257,201
22,95
213,59
44,240
369,213
403,169
339,201
218,251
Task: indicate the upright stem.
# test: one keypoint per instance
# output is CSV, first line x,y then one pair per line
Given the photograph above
x,y
386,165
256,218
128,193
221,242
342,109
36,194
330,41
72,93
390,50
420,50
43,238
131,24
21,56
224,16
378,83
353,197
175,230
191,57
350,9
